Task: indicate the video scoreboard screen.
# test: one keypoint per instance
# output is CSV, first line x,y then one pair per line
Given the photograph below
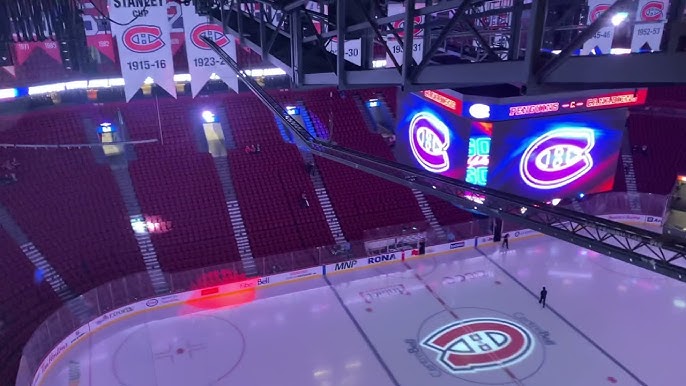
x,y
557,157
543,157
431,137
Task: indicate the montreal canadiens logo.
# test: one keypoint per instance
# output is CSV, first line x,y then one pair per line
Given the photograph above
x,y
652,11
479,344
429,142
597,11
557,158
212,31
143,38
401,24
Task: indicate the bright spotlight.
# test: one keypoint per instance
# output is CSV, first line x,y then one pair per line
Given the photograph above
x,y
619,18
581,195
555,201
208,116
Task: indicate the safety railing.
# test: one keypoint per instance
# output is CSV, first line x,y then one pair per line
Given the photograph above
x,y
133,288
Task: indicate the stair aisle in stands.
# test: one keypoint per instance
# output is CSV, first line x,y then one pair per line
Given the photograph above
x,y
128,193
234,209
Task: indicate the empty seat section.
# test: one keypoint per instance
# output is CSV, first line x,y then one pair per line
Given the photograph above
x,y
657,168
269,185
251,122
447,213
362,201
24,304
181,190
68,205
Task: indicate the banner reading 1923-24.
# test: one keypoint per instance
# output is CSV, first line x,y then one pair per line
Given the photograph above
x,y
202,61
144,43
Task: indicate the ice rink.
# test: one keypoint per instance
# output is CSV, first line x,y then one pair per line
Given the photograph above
x,y
455,319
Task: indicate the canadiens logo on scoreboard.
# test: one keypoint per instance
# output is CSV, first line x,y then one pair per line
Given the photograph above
x,y
652,11
557,158
212,31
479,344
597,11
429,142
143,38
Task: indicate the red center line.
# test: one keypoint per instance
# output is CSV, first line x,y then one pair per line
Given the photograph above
x,y
454,315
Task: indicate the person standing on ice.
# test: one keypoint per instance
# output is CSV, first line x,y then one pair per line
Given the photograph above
x,y
544,294
506,241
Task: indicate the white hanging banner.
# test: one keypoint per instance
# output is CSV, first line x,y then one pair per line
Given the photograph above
x,y
397,50
601,42
353,48
417,36
202,61
651,17
144,45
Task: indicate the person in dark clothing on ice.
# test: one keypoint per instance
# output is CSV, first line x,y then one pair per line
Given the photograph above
x,y
544,294
506,241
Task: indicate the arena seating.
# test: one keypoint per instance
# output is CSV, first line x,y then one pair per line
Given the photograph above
x,y
269,184
68,204
374,203
177,184
656,170
23,304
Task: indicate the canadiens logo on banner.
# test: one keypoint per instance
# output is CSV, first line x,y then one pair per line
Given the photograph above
x,y
143,38
651,17
144,44
212,31
557,158
601,42
479,344
202,61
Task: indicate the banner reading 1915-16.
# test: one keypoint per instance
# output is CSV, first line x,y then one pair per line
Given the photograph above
x,y
202,61
144,44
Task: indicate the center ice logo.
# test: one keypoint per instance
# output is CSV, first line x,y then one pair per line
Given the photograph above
x,y
557,158
212,31
479,344
429,141
143,38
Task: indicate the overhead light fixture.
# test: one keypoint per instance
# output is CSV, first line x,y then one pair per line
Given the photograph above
x,y
618,18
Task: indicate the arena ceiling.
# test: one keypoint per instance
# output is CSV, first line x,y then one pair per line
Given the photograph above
x,y
460,42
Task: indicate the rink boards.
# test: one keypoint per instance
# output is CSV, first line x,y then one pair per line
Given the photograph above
x,y
252,284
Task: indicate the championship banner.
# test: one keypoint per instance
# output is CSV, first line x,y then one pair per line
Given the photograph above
x,y
22,51
353,48
10,70
601,42
651,17
175,14
417,36
202,61
144,44
98,34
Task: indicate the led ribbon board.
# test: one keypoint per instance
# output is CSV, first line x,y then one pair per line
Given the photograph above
x,y
557,158
429,141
